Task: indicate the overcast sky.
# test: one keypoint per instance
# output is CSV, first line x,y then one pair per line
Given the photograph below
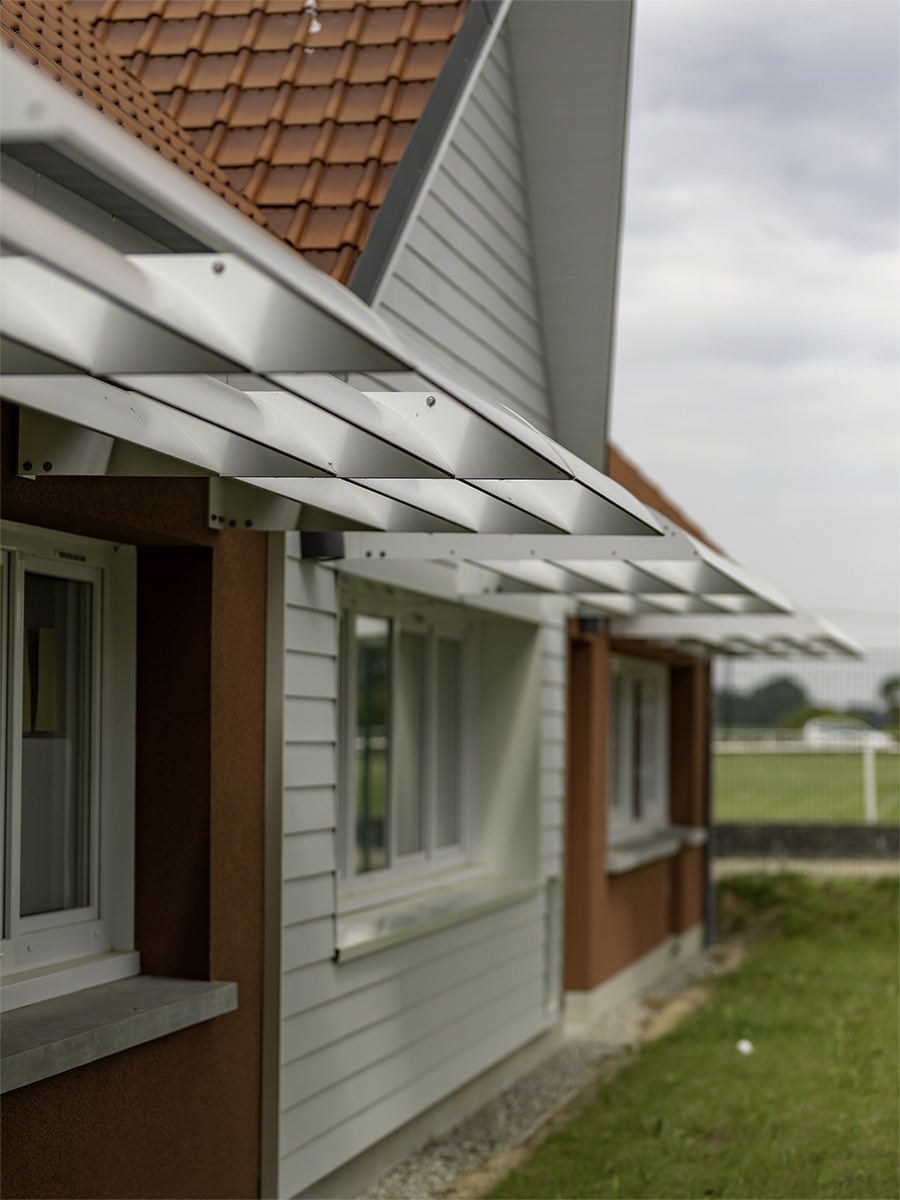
x,y
757,363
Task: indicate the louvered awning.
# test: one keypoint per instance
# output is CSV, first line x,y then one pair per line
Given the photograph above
x,y
232,357
581,575
750,635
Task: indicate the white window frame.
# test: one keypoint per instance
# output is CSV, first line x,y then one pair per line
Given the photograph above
x,y
53,953
621,819
432,619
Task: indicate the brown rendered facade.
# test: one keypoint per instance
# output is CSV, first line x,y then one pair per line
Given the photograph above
x,y
612,920
179,1115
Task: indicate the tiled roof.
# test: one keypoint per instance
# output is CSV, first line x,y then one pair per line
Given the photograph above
x,y
623,471
51,38
305,107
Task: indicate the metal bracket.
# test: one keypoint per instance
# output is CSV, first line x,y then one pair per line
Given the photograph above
x,y
236,505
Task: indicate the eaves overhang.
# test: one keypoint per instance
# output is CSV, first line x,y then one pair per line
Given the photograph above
x,y
230,357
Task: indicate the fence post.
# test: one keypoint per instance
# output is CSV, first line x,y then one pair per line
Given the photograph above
x,y
869,784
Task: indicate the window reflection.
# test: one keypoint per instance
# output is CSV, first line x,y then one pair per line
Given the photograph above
x,y
449,714
410,737
56,745
371,743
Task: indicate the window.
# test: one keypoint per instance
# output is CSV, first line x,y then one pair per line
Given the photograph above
x,y
638,743
65,604
403,680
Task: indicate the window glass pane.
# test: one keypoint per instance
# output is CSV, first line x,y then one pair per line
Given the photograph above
x,y
409,713
616,697
648,761
56,745
449,702
637,751
372,653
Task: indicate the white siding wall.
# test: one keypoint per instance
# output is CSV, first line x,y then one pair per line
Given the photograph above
x,y
367,1045
464,281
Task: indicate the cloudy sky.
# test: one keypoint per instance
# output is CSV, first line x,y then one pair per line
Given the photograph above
x,y
757,363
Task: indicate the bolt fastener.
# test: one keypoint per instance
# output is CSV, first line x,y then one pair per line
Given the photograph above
x,y
430,401
26,466
48,466
218,267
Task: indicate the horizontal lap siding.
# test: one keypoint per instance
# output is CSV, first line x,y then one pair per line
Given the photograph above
x,y
376,1121
397,1031
369,1044
309,773
465,280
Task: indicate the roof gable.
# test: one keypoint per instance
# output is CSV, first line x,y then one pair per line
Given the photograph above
x,y
461,279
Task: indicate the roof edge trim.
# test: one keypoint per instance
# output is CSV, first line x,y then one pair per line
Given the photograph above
x,y
436,122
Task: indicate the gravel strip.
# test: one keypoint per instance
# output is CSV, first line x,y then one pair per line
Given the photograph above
x,y
512,1114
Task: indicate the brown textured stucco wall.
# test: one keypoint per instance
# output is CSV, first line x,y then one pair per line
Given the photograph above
x,y
586,905
612,920
637,915
179,1116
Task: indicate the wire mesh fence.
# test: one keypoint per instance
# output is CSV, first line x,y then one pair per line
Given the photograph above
x,y
806,758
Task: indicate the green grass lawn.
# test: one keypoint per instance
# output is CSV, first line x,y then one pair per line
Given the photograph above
x,y
812,1113
801,787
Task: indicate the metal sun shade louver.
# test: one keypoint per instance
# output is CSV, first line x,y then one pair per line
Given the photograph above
x,y
223,360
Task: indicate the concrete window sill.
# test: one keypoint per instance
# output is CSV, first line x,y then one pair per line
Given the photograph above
x,y
56,1035
692,835
380,926
651,845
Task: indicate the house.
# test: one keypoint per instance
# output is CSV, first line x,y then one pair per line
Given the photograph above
x,y
347,664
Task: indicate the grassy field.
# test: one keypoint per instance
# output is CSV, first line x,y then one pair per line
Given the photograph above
x,y
801,787
812,1112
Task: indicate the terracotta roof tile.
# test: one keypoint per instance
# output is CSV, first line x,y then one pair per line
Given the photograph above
x,y
124,37
267,69
338,184
425,61
173,37
282,186
437,24
296,145
382,26
372,64
52,38
161,73
278,30
380,186
249,97
239,147
253,107
351,143
324,228
361,102
396,142
307,106
211,72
